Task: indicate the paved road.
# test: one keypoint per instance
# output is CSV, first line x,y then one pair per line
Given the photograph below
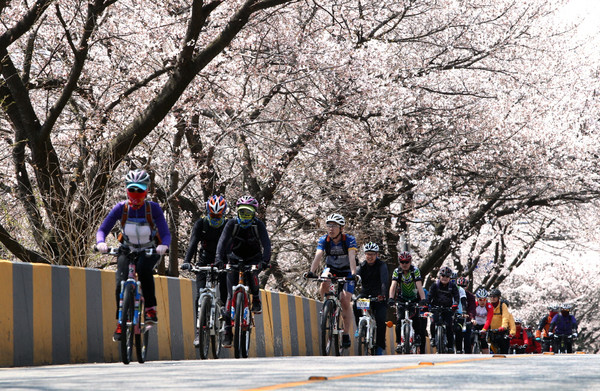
x,y
463,372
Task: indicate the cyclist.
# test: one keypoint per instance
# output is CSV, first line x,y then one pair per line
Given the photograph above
x,y
467,309
245,237
143,225
541,333
339,251
207,232
564,324
500,321
374,276
444,293
407,286
483,313
520,338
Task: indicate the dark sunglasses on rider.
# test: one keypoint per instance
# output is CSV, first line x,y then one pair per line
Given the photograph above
x,y
404,262
135,190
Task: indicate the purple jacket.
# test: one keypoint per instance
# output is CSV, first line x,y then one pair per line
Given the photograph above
x,y
563,325
139,214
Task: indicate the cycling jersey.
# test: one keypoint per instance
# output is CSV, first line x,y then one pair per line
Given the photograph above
x,y
563,325
338,258
500,318
374,278
482,314
136,229
407,287
443,295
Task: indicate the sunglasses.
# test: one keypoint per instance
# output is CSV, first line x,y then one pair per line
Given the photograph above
x,y
404,262
135,190
245,214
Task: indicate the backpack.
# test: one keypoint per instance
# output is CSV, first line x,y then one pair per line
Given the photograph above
x,y
236,230
328,245
149,219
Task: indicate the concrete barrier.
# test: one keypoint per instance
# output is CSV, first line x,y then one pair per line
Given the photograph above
x,y
61,315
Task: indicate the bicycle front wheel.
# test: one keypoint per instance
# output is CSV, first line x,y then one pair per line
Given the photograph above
x,y
406,345
239,335
363,345
204,327
440,340
215,337
127,328
327,328
477,346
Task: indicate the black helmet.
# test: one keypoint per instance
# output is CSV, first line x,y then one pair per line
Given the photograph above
x,y
495,292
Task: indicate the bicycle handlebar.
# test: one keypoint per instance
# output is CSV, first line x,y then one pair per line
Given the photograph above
x,y
208,268
115,250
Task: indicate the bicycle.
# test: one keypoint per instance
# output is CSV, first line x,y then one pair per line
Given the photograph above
x,y
209,320
440,339
367,327
241,316
408,341
517,349
134,332
493,336
563,343
476,341
331,312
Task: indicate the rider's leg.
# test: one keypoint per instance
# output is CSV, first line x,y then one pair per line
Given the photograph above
x,y
447,319
380,310
346,301
145,269
324,289
121,275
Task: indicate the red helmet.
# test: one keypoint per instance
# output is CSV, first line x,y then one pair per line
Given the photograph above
x,y
405,256
462,281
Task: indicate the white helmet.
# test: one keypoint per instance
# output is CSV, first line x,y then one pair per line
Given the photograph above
x,y
336,218
373,247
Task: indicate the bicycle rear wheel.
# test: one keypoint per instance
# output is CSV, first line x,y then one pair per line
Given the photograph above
x,y
127,330
215,337
326,338
204,327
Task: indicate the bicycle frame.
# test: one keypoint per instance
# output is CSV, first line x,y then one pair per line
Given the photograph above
x,y
242,322
407,331
209,290
440,328
367,318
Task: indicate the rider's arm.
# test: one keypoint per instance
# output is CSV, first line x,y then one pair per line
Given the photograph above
x,y
352,260
161,224
317,260
505,316
384,276
224,242
420,291
109,222
264,241
194,240
393,289
490,316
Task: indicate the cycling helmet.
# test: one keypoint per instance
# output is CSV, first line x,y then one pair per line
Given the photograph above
x,y
454,276
445,272
481,293
518,321
336,218
566,307
137,178
216,206
553,307
247,202
372,247
462,281
495,292
405,256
